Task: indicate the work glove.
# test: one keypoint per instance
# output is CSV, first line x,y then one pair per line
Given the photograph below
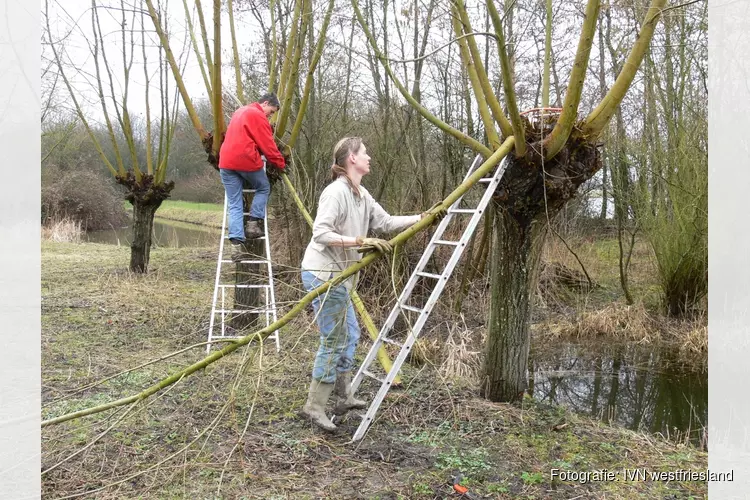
x,y
439,215
368,245
274,173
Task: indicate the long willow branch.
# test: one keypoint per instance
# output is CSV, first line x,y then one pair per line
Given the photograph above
x,y
476,85
216,97
274,49
73,96
547,52
510,93
359,306
460,136
489,95
235,54
100,88
291,84
399,239
288,54
559,135
176,72
310,73
600,116
204,36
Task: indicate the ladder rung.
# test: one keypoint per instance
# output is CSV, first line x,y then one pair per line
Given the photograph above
x,y
429,275
392,342
248,190
463,211
260,238
373,376
410,308
244,286
244,262
446,242
485,180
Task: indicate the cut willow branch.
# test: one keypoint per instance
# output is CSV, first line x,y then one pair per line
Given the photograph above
x,y
510,94
600,116
564,126
176,72
399,239
460,136
476,84
489,94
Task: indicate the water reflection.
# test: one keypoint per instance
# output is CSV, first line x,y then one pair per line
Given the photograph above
x,y
638,387
166,234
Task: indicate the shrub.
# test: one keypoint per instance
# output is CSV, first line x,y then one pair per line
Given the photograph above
x,y
82,196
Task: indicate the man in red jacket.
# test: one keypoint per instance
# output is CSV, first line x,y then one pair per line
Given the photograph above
x,y
248,136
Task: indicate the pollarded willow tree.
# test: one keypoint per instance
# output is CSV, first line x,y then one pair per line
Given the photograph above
x,y
142,175
548,164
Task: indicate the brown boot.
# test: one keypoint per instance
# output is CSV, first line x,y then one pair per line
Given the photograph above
x,y
253,230
345,400
315,408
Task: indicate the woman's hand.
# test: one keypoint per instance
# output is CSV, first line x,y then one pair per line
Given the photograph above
x,y
367,245
439,215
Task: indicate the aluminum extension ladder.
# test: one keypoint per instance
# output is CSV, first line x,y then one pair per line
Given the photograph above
x,y
401,306
219,307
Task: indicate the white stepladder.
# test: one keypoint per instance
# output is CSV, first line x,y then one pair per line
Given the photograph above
x,y
423,313
224,292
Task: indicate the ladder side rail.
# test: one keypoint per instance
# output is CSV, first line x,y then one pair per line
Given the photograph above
x,y
218,277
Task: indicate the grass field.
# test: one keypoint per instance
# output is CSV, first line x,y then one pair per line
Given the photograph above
x,y
232,431
207,214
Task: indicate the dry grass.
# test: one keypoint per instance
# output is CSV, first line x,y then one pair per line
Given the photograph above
x,y
459,360
63,230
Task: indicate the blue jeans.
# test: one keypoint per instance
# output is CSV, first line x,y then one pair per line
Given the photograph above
x,y
339,330
233,181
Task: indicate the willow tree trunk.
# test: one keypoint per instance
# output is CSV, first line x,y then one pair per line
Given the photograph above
x,y
250,274
516,253
531,193
146,197
143,229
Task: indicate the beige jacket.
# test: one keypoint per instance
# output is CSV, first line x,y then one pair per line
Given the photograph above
x,y
343,213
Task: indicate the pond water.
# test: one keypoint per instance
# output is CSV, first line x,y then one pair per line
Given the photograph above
x,y
166,234
636,386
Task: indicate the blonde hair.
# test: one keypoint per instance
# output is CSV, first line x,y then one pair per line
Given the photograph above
x,y
341,152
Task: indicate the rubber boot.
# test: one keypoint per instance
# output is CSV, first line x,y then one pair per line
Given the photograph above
x,y
315,408
345,400
253,230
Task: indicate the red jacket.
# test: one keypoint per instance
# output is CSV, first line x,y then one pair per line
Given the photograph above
x,y
248,136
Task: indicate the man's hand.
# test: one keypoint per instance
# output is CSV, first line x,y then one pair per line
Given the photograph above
x,y
439,215
274,173
367,245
